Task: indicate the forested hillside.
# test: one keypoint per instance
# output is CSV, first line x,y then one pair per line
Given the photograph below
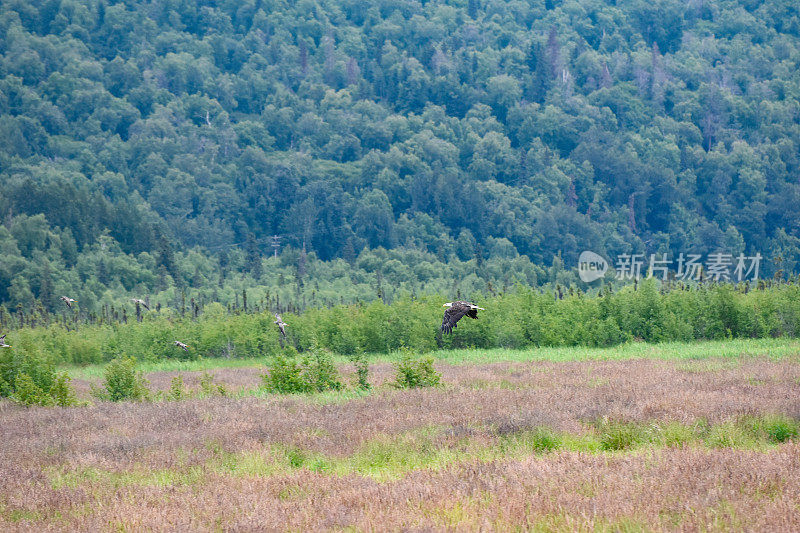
x,y
155,147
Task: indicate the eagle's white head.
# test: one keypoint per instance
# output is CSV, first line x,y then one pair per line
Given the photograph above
x,y
448,304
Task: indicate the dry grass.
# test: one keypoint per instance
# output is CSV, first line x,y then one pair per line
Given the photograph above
x,y
683,488
251,463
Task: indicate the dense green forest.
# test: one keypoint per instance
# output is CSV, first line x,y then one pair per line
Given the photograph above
x,y
396,147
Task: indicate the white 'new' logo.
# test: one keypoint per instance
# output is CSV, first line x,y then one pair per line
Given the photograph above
x,y
591,266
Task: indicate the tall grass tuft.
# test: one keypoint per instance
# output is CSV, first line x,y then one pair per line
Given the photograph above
x,y
620,435
775,428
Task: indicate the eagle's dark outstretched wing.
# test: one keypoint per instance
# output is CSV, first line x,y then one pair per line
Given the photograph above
x,y
140,302
454,313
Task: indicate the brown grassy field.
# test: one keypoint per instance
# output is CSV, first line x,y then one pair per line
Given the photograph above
x,y
612,445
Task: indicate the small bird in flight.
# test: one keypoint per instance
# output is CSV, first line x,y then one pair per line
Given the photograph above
x,y
182,345
140,302
67,300
454,312
3,342
281,324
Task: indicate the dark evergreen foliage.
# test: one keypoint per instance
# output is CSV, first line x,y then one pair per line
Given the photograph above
x,y
150,147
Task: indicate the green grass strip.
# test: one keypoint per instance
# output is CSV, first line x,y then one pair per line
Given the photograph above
x,y
391,457
780,348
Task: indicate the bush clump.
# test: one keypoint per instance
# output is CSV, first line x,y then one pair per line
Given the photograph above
x,y
314,373
177,391
28,392
33,380
123,382
62,392
362,371
284,376
209,388
414,373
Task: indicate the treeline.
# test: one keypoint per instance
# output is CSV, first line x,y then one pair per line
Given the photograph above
x,y
177,137
39,264
521,318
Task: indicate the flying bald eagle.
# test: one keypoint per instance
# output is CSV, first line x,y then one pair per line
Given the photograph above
x,y
140,302
3,342
182,345
281,324
454,312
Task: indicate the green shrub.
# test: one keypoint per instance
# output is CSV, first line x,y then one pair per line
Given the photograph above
x,y
290,352
124,382
176,392
29,393
362,371
84,351
413,373
62,392
209,388
314,373
32,380
321,373
6,389
284,376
